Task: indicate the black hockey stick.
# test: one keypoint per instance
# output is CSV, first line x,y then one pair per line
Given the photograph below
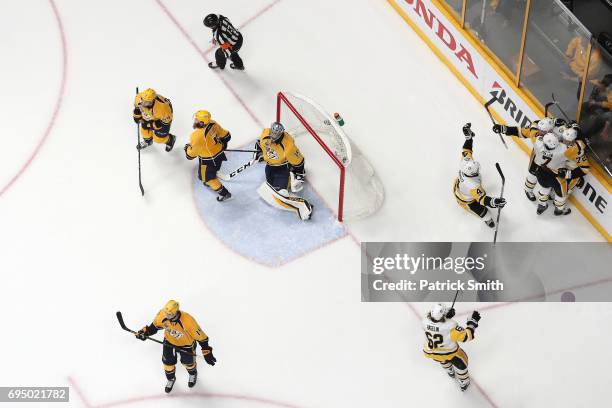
x,y
548,105
560,108
240,150
139,172
455,299
124,327
227,177
501,174
486,105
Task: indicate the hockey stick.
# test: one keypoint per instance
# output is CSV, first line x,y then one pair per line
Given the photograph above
x,y
139,172
124,327
486,105
501,174
548,105
560,108
227,177
455,299
240,150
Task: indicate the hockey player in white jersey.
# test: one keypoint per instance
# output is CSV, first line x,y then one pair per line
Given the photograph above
x,y
443,335
550,156
537,129
468,190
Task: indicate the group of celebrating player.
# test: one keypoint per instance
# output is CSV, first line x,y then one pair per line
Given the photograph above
x,y
557,164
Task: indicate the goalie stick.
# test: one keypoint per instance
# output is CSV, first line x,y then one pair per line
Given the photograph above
x,y
138,138
124,327
486,105
501,174
227,177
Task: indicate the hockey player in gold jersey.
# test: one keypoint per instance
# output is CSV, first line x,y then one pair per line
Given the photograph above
x,y
537,129
208,143
181,332
285,171
468,190
154,114
443,336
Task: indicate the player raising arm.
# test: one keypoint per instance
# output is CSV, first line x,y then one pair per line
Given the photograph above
x,y
181,332
208,143
468,189
443,336
154,114
537,129
285,171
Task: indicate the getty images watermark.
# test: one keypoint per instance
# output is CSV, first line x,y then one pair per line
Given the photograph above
x,y
433,271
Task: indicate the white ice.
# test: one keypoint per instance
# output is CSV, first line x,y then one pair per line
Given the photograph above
x,y
78,242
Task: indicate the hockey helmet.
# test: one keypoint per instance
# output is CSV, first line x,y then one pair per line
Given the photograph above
x,y
211,20
550,141
470,167
202,116
546,124
171,308
438,312
147,97
276,131
569,134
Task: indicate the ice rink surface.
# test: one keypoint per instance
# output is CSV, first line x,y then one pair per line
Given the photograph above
x,y
79,242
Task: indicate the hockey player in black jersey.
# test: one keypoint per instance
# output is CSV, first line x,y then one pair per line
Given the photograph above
x,y
227,38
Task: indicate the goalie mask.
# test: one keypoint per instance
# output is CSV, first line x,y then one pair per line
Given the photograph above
x,y
276,131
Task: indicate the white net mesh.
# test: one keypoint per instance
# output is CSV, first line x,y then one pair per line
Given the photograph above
x,y
363,191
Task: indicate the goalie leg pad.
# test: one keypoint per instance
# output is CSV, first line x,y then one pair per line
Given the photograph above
x,y
283,200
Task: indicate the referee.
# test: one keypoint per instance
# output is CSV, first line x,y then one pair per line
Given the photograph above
x,y
227,38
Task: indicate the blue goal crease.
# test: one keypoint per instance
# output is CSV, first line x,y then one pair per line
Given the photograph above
x,y
254,229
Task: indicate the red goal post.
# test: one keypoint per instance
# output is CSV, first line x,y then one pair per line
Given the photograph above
x,y
282,99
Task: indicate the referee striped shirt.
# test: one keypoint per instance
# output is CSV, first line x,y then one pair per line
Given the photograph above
x,y
225,33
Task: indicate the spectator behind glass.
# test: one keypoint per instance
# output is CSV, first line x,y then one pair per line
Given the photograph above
x,y
576,54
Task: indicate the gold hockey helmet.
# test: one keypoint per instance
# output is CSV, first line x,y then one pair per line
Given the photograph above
x,y
202,116
147,97
171,308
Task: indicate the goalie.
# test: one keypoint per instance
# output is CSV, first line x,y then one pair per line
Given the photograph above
x,y
285,172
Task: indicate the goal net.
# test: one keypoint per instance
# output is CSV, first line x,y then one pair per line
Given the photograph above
x,y
335,167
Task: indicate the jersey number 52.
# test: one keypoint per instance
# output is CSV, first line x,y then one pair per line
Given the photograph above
x,y
433,340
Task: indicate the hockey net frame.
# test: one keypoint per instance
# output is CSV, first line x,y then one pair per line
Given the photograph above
x,y
282,99
359,191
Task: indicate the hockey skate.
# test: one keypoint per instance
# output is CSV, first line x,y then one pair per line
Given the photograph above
x,y
464,387
490,223
212,65
144,144
564,211
169,385
530,195
193,378
224,197
451,372
541,208
170,142
233,66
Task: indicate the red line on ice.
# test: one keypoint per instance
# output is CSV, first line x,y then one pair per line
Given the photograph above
x,y
58,102
203,55
178,395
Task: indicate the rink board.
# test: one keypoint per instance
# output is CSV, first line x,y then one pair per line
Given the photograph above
x,y
257,231
481,76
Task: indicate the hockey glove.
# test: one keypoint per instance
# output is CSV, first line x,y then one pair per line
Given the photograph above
x,y
497,128
137,115
498,202
142,334
258,155
559,122
146,124
187,146
450,313
208,356
467,131
475,316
